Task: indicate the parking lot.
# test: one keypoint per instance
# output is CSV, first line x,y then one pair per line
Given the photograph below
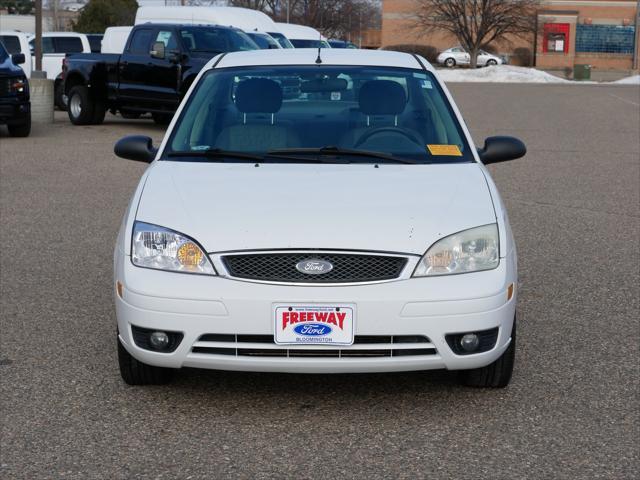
x,y
570,412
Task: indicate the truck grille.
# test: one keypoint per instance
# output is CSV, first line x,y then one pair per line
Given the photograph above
x,y
364,346
347,268
5,88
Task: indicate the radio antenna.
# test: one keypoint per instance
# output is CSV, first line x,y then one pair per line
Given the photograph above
x,y
319,60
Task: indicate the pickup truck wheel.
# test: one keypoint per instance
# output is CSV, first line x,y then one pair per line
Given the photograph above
x,y
496,374
81,108
21,129
162,118
99,111
134,372
60,98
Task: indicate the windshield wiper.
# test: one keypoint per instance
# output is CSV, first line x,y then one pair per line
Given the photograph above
x,y
220,153
339,152
216,153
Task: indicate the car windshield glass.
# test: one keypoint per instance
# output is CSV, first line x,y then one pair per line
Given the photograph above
x,y
216,40
281,39
11,43
3,53
327,111
263,40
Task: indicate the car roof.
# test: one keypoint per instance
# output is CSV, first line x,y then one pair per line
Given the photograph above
x,y
308,56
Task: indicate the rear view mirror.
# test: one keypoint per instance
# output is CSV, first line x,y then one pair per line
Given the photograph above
x,y
501,149
136,147
18,58
157,51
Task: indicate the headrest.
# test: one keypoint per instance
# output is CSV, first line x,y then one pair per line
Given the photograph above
x,y
258,95
382,97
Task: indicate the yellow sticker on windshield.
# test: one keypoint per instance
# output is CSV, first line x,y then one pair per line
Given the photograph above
x,y
451,150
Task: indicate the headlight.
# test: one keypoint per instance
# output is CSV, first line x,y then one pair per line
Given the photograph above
x,y
18,85
472,250
163,249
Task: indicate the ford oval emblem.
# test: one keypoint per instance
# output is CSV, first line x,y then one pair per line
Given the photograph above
x,y
314,266
312,330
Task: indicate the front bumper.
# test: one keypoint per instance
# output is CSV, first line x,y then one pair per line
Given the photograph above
x,y
197,305
14,111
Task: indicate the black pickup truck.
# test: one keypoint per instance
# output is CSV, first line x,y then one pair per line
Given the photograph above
x,y
15,108
158,65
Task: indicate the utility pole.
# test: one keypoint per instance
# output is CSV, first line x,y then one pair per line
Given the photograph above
x,y
38,41
288,11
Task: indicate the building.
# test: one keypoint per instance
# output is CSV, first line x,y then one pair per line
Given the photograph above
x,y
601,33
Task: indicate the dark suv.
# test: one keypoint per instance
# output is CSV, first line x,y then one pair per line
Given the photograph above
x,y
15,108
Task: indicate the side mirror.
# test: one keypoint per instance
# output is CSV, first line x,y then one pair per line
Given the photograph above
x,y
18,58
136,147
157,51
501,149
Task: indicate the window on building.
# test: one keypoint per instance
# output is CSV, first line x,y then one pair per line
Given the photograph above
x,y
556,38
605,39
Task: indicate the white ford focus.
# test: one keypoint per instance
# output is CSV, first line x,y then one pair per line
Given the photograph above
x,y
317,214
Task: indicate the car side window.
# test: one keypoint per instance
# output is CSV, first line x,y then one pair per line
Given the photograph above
x,y
67,45
47,46
141,42
168,38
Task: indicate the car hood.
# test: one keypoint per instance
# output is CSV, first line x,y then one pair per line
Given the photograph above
x,y
240,206
7,68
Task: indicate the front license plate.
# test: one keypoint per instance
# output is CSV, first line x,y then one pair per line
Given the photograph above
x,y
314,324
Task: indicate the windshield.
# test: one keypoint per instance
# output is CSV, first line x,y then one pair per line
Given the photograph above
x,y
3,53
215,40
263,40
310,43
256,110
281,39
11,43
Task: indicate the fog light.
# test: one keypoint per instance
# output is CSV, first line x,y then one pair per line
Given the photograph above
x,y
159,340
470,342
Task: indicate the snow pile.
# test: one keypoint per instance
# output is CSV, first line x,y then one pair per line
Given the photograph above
x,y
500,74
633,80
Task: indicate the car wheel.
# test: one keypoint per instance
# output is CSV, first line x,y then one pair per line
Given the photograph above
x,y
496,374
134,372
491,63
60,98
450,62
21,129
80,108
162,118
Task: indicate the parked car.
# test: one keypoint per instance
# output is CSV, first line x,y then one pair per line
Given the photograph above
x,y
302,36
353,228
15,107
459,56
341,44
241,18
155,71
55,47
16,43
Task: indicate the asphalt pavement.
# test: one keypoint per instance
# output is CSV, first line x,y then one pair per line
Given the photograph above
x,y
571,411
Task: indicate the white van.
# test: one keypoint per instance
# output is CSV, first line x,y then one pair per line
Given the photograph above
x,y
17,42
241,18
114,40
302,36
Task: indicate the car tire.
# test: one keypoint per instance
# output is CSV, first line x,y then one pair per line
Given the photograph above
x,y
81,107
99,112
450,62
162,118
60,99
491,63
497,374
21,129
134,372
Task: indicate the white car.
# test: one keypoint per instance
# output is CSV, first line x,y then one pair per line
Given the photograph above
x,y
459,56
15,43
352,227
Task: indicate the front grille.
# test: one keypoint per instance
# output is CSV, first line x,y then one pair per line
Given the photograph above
x,y
5,88
347,268
364,346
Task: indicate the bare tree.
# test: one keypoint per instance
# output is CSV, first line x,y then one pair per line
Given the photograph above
x,y
476,23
